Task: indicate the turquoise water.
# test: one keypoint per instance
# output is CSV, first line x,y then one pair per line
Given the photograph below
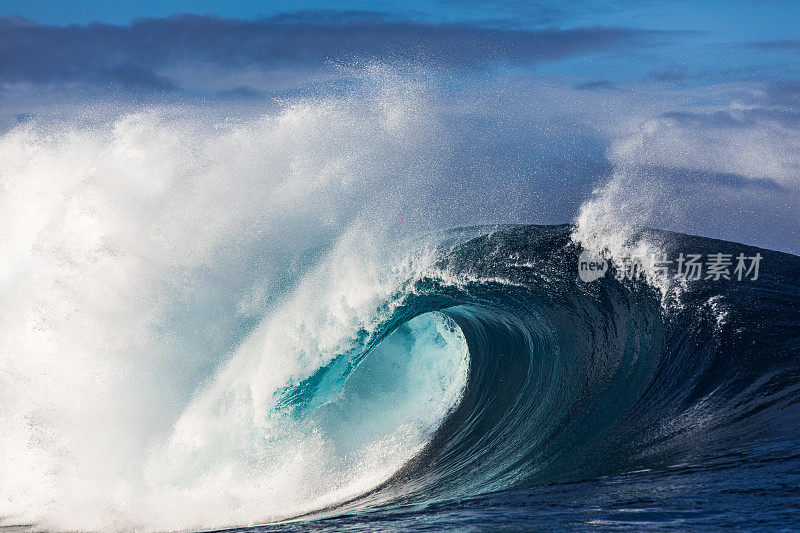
x,y
612,404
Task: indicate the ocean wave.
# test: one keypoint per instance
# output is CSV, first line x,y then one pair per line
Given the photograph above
x,y
211,323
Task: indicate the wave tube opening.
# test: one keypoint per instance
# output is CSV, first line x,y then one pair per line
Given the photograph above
x,y
404,386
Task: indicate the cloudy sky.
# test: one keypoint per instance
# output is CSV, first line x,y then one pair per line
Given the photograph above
x,y
692,104
150,45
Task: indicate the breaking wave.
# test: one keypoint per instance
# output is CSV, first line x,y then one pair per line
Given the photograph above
x,y
221,324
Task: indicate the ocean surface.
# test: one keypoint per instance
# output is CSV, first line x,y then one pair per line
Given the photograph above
x,y
619,403
486,385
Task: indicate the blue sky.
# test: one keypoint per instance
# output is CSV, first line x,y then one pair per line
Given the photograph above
x,y
745,19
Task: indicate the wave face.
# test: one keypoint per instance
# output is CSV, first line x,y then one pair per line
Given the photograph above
x,y
505,372
571,381
480,364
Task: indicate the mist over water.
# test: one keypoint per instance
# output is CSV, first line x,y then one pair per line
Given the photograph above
x,y
198,306
143,251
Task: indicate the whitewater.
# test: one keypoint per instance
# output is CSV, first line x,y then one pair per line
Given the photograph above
x,y
220,317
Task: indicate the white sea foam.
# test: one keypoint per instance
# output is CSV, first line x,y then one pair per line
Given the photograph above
x,y
138,250
692,174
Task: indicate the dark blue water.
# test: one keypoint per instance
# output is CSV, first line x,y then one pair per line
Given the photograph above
x,y
609,404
